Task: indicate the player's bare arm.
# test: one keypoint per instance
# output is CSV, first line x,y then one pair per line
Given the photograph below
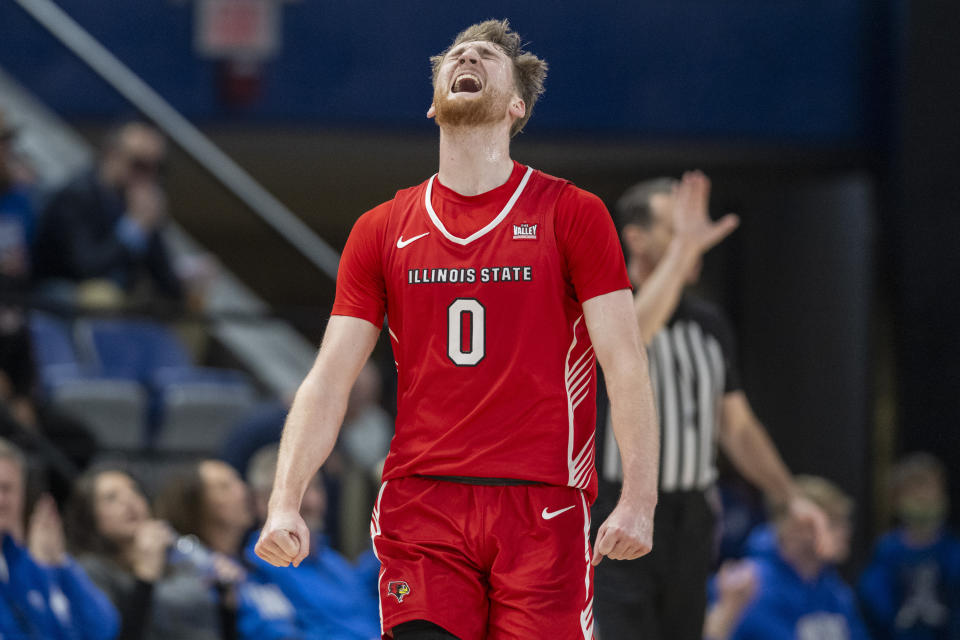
x,y
628,532
310,433
754,455
694,233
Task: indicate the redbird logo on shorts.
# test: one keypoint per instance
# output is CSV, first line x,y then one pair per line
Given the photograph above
x,y
398,589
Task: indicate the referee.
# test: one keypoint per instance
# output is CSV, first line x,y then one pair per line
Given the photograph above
x,y
666,229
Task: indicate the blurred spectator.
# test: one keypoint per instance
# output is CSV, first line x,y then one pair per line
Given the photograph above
x,y
57,442
18,172
211,502
44,594
740,513
334,599
106,226
160,593
736,584
797,592
22,419
16,230
911,589
261,426
17,222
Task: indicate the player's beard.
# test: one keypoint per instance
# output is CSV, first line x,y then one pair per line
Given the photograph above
x,y
490,107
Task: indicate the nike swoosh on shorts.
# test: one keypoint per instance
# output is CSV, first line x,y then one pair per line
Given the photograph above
x,y
547,515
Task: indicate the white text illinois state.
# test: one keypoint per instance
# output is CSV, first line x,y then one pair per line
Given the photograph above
x,y
469,275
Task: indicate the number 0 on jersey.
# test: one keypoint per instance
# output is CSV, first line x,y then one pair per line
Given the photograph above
x,y
466,319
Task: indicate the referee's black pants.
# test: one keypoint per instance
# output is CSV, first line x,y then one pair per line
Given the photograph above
x,y
663,595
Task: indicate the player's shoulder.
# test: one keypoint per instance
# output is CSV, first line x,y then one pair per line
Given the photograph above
x,y
374,218
572,201
574,197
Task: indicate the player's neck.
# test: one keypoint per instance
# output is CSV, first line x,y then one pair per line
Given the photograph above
x,y
474,160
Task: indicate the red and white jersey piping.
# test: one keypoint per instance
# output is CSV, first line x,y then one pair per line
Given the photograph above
x,y
578,380
485,230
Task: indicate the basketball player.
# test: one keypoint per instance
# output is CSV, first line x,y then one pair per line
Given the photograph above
x,y
502,287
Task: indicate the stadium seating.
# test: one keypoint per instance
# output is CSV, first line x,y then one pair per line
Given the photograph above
x,y
134,383
113,407
191,407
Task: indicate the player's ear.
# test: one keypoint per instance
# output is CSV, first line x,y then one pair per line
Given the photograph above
x,y
432,111
518,108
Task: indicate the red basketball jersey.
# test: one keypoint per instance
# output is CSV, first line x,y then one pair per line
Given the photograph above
x,y
483,295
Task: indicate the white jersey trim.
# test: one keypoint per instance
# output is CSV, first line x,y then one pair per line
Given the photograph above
x,y
374,532
577,378
586,614
482,232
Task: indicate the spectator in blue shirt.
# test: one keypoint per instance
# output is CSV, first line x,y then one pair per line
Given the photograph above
x,y
44,594
911,589
334,599
788,589
211,502
162,587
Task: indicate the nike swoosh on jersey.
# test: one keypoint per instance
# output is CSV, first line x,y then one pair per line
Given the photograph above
x,y
401,243
547,515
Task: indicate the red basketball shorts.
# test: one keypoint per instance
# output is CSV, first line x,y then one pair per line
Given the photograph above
x,y
484,562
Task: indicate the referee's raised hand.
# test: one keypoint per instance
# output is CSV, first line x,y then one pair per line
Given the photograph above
x,y
692,225
284,539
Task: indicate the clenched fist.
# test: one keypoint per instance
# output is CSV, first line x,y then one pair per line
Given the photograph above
x,y
626,534
284,539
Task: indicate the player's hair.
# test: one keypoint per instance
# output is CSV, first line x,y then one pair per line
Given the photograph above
x,y
821,492
915,466
633,207
262,468
529,71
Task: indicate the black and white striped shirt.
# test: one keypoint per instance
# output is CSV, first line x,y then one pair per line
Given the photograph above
x,y
692,366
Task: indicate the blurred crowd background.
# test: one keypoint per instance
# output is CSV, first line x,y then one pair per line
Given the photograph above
x,y
157,311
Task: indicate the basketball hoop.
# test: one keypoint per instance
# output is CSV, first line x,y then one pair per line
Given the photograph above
x,y
241,35
247,30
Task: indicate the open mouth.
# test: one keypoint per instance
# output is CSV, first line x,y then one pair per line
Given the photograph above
x,y
467,83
